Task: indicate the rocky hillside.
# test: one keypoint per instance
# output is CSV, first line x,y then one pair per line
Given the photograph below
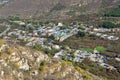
x,y
23,63
54,8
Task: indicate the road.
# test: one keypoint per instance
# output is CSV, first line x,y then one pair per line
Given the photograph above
x,y
5,31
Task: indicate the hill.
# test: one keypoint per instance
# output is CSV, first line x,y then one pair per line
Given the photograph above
x,y
54,8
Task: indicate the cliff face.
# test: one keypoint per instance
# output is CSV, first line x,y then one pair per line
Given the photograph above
x,y
54,8
23,63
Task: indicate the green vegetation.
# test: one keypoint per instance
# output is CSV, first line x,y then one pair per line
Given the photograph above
x,y
16,65
96,69
87,76
46,50
14,25
87,49
2,28
42,66
0,53
69,62
13,18
2,20
9,51
57,7
100,48
81,34
79,69
1,42
109,25
113,13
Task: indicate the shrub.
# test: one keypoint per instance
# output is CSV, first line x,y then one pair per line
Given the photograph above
x,y
108,25
16,65
63,64
42,68
69,63
87,76
43,63
79,69
114,12
13,18
0,53
9,51
1,42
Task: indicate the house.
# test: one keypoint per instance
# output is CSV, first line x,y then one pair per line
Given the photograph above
x,y
56,47
104,36
101,30
116,30
19,22
113,38
60,24
30,44
98,34
118,59
59,54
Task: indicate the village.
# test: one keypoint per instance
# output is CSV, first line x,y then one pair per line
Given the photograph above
x,y
46,36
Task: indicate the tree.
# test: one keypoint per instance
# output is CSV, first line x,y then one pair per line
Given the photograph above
x,y
81,34
107,25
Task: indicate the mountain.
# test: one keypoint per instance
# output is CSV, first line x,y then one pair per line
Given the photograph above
x,y
54,8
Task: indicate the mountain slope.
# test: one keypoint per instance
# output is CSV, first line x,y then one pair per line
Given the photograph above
x,y
54,8
23,63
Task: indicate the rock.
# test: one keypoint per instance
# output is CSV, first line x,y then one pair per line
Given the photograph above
x,y
24,65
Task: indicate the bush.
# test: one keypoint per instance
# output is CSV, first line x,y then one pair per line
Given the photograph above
x,y
79,69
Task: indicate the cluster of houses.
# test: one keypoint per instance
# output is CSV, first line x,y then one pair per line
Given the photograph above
x,y
79,55
28,38
102,33
104,36
58,33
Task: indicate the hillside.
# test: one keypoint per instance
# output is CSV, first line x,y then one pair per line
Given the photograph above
x,y
23,63
54,8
